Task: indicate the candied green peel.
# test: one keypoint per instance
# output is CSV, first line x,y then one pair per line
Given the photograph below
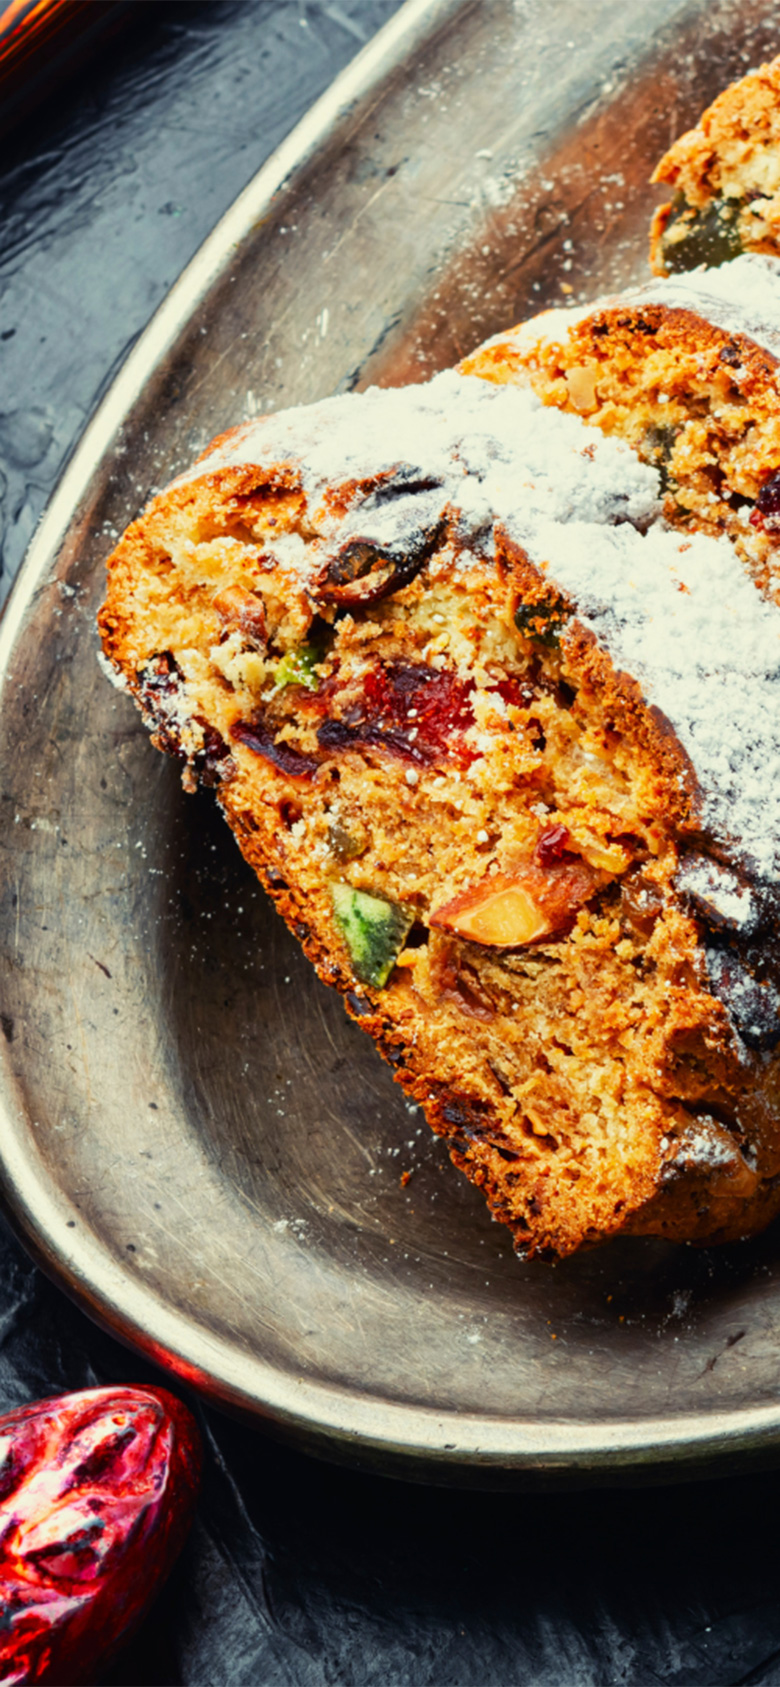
x,y
710,236
373,929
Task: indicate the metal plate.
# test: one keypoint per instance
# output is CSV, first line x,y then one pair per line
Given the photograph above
x,y
195,1141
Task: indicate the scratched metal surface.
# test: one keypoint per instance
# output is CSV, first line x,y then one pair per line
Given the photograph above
x,y
299,1572
196,1142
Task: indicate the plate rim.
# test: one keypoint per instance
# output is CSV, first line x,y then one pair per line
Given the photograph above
x,y
332,1420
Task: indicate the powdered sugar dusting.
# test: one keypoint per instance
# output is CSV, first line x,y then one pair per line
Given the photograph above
x,y
113,674
753,1005
740,297
454,442
685,619
717,893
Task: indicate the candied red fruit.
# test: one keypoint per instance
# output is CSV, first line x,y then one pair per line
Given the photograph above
x,y
416,712
518,693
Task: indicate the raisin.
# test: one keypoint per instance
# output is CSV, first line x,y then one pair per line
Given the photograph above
x,y
159,680
346,845
159,687
256,735
461,985
160,683
214,762
641,902
552,845
766,514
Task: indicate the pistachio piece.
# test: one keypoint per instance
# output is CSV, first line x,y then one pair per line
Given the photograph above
x,y
299,667
373,929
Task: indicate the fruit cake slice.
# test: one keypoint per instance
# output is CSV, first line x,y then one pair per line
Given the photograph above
x,y
726,179
501,748
686,371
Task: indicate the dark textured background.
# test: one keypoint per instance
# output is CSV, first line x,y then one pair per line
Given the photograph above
x,y
296,1572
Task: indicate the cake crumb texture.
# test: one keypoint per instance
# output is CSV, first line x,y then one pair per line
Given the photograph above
x,y
461,693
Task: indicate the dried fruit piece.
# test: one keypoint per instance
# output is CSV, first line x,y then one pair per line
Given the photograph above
x,y
417,713
364,574
500,912
347,845
766,515
542,622
364,570
258,737
374,931
98,1490
552,844
507,911
190,738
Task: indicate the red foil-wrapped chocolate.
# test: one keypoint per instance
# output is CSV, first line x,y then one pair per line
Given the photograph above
x,y
97,1491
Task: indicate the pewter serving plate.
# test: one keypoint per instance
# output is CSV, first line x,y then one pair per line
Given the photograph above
x,y
196,1142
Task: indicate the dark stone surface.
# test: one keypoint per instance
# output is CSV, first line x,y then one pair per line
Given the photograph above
x,y
299,1573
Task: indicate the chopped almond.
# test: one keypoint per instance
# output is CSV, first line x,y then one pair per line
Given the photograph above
x,y
581,382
